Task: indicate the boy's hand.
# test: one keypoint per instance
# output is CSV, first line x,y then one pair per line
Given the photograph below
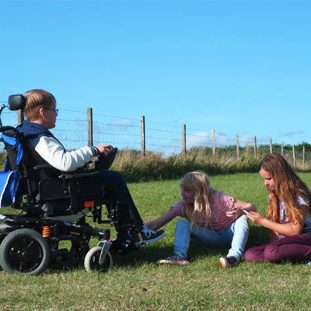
x,y
104,149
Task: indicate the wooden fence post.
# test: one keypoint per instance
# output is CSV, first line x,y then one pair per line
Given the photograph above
x,y
214,143
271,150
143,136
303,154
294,156
238,147
282,149
255,147
184,142
90,127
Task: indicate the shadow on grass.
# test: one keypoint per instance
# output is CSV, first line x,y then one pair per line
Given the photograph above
x,y
151,254
258,235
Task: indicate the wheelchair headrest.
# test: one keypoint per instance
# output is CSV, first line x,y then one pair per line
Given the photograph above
x,y
16,102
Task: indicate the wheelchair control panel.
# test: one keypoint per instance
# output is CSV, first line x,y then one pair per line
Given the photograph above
x,y
104,161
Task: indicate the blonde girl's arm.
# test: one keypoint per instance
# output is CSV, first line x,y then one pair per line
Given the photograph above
x,y
288,229
239,208
160,221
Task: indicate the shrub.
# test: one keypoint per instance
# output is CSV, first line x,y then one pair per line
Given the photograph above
x,y
155,166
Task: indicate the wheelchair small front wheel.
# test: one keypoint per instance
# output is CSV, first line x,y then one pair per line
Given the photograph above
x,y
91,260
24,251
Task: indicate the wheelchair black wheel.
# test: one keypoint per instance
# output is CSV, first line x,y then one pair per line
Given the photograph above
x,y
24,251
91,260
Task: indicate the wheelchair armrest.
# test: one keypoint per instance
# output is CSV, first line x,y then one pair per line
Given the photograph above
x,y
41,166
10,131
74,175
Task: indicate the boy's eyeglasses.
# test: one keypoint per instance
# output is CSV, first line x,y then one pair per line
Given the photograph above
x,y
53,109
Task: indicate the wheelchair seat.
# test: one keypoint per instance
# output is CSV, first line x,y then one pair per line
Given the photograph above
x,y
43,190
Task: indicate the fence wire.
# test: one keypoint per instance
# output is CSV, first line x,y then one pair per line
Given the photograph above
x,y
167,139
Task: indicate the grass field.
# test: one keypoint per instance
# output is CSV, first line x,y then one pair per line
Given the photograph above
x,y
137,283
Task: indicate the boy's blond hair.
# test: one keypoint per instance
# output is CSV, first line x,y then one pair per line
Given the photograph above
x,y
36,99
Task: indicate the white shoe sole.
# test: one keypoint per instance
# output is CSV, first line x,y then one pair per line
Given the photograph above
x,y
169,262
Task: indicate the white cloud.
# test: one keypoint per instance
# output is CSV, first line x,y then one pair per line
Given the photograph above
x,y
122,123
292,133
199,139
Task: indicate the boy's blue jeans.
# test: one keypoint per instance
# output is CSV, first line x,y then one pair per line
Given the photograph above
x,y
234,236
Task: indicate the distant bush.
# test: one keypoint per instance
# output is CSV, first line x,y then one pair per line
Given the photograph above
x,y
156,166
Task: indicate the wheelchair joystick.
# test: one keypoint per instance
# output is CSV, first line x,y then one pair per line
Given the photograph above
x,y
104,162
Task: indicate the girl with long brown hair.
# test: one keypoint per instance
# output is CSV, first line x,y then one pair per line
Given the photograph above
x,y
289,214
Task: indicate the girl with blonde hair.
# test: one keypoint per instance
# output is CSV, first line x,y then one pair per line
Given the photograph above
x,y
210,216
289,214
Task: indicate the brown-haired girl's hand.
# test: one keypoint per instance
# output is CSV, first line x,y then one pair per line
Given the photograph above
x,y
255,217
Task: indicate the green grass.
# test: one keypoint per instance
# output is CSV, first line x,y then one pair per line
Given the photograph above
x,y
137,283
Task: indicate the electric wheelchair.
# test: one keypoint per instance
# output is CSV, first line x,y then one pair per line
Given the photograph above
x,y
53,208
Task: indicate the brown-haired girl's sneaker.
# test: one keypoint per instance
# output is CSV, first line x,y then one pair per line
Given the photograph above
x,y
228,262
174,260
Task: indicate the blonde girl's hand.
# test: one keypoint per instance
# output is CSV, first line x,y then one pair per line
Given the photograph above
x,y
234,213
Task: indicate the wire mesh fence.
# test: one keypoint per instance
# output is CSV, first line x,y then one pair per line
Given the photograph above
x,y
74,127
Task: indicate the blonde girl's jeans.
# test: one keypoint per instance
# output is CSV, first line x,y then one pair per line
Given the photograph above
x,y
234,236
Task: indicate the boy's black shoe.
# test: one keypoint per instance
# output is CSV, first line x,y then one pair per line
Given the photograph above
x,y
228,262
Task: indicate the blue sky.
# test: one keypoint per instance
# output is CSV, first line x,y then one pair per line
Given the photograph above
x,y
240,67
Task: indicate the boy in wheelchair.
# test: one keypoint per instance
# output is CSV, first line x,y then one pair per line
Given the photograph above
x,y
40,113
